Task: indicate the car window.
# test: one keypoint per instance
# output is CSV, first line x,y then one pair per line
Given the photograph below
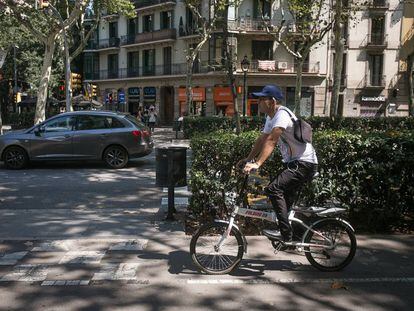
x,y
62,124
86,122
135,121
114,123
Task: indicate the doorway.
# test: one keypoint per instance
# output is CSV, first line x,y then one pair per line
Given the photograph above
x,y
167,100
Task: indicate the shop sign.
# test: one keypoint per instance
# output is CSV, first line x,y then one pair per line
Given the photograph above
x,y
223,94
149,92
133,91
121,98
199,94
373,98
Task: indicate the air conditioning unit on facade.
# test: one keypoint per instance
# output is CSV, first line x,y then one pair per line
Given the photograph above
x,y
282,65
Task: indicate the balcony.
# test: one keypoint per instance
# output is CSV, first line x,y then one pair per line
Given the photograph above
x,y
139,4
375,42
148,37
374,81
343,81
378,5
247,25
111,43
272,66
91,45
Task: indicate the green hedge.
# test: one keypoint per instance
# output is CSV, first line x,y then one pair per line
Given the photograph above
x,y
200,125
370,174
20,121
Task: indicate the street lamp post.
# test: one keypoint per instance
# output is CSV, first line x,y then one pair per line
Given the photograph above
x,y
15,89
245,68
68,91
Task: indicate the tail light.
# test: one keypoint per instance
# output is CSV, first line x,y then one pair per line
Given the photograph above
x,y
136,133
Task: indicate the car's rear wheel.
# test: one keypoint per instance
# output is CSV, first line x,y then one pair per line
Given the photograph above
x,y
15,158
115,157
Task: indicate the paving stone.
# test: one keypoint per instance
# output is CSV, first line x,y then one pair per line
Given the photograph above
x,y
82,257
11,258
26,273
123,271
131,245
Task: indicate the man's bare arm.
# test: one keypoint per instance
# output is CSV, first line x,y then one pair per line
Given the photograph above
x,y
269,144
257,147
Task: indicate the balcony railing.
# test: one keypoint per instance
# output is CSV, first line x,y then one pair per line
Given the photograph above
x,y
375,41
374,81
379,4
109,43
273,66
343,81
247,24
144,3
158,35
91,45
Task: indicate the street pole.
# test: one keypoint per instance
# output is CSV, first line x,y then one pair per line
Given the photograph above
x,y
68,91
244,93
15,78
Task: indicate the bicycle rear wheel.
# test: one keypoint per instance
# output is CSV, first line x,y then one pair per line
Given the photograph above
x,y
339,254
210,259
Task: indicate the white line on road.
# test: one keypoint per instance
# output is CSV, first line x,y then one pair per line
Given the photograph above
x,y
286,281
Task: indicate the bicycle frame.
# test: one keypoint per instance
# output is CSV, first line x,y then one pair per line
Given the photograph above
x,y
271,217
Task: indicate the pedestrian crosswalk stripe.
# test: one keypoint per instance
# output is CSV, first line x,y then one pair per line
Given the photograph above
x,y
177,201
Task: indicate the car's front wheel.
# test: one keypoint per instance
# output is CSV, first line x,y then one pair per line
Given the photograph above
x,y
115,157
15,158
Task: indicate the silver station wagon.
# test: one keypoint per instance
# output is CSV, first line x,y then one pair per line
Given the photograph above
x,y
81,135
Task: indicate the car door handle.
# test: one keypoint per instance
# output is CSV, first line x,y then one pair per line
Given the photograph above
x,y
103,136
67,136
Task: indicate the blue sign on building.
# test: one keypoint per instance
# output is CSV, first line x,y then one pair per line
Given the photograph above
x,y
133,91
121,98
149,92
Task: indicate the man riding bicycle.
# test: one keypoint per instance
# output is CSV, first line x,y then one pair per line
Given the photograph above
x,y
299,158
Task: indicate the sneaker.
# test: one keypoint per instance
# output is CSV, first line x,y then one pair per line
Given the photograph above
x,y
275,235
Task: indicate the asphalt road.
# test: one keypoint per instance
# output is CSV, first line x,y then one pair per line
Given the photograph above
x,y
84,237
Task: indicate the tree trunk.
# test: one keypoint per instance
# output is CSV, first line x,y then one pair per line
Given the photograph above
x,y
298,87
230,74
45,77
338,61
1,120
189,88
410,85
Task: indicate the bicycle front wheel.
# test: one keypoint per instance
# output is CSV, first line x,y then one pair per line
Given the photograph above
x,y
210,258
335,253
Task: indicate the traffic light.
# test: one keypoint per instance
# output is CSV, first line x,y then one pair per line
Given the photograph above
x,y
75,81
110,98
94,90
61,92
43,4
17,97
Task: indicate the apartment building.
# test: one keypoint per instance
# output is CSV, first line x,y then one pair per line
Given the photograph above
x,y
142,61
371,83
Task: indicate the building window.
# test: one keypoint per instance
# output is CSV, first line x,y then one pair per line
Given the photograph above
x,y
167,60
375,69
262,8
166,20
377,30
112,65
113,30
133,64
148,23
262,50
132,26
149,62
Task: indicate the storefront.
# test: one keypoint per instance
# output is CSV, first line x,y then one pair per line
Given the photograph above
x,y
133,100
150,95
252,102
199,99
223,101
372,106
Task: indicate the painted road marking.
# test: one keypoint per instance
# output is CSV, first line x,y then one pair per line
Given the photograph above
x,y
53,246
65,283
112,272
26,273
286,281
82,257
11,258
131,245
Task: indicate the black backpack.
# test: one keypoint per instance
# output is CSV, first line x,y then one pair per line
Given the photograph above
x,y
302,131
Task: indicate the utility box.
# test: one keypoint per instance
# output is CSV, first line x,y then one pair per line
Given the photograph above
x,y
171,166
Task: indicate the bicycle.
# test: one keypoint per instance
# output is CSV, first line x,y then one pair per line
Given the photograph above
x,y
218,247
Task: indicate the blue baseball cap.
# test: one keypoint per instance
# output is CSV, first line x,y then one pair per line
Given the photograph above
x,y
270,91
